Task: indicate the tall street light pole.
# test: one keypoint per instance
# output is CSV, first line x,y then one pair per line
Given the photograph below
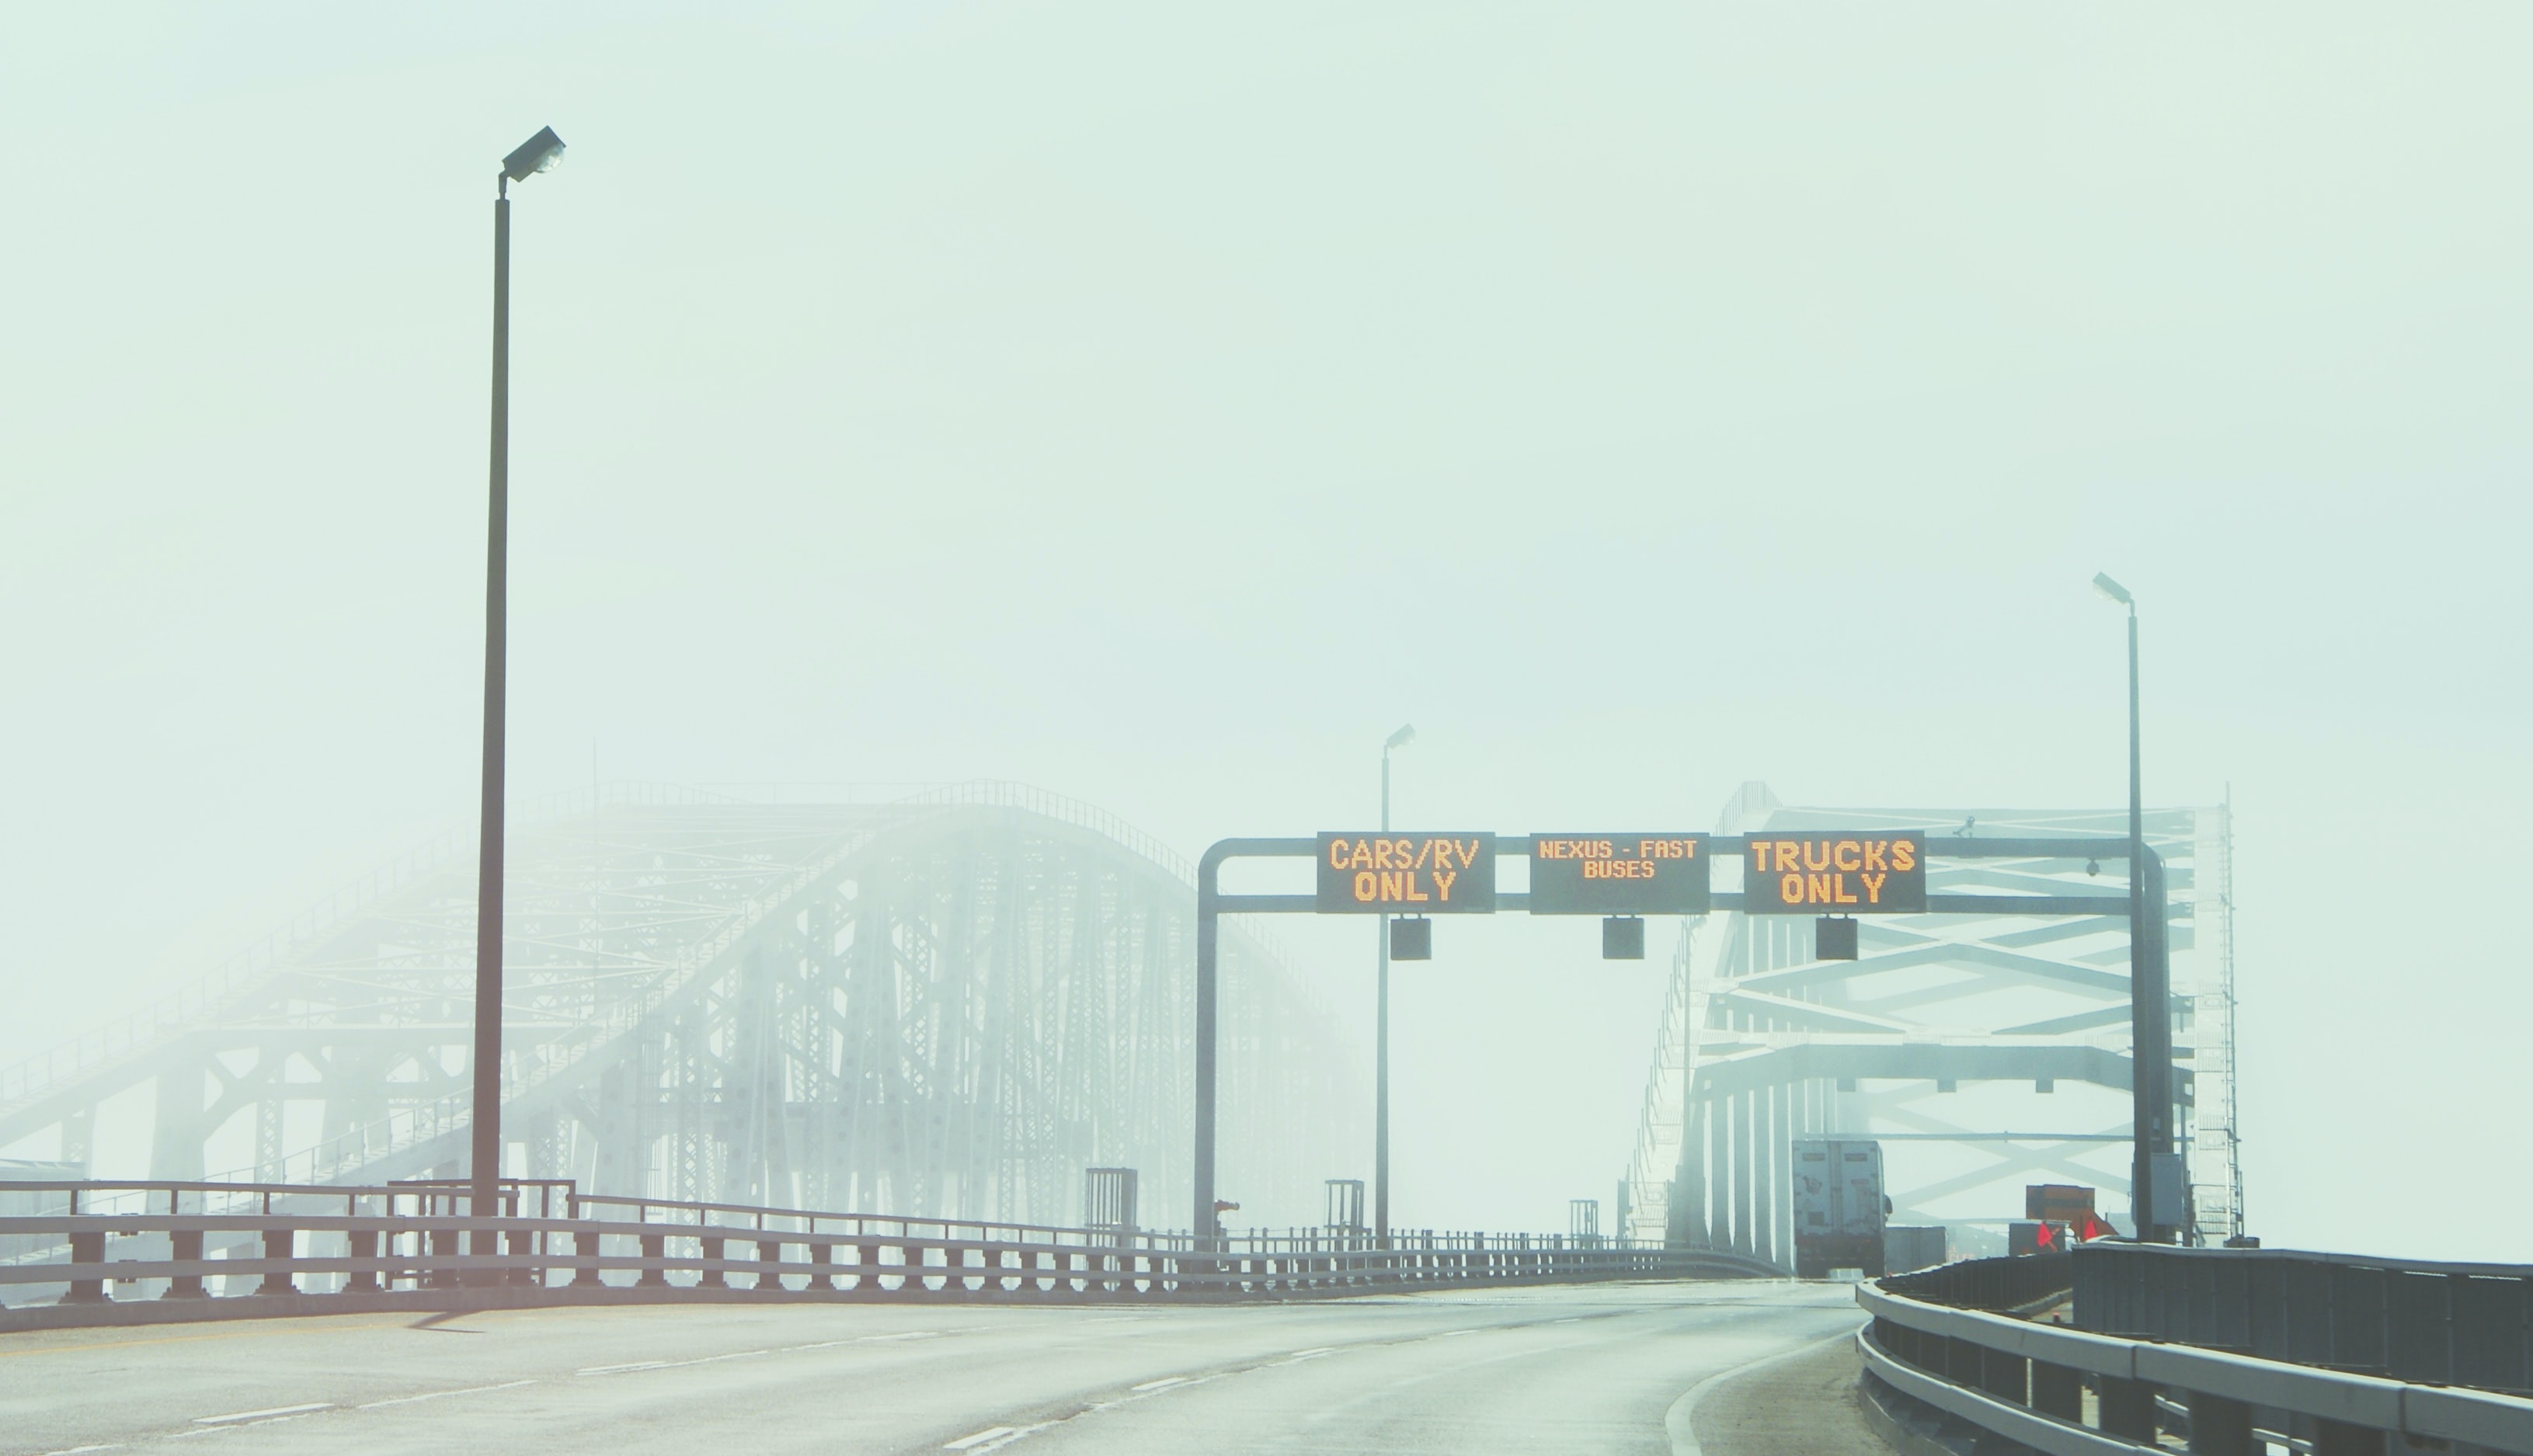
x,y
538,154
2146,1082
1405,736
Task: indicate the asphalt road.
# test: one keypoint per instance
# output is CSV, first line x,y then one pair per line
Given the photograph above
x,y
1590,1369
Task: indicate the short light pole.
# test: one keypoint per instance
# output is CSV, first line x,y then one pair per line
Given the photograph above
x,y
2146,1079
1405,736
538,154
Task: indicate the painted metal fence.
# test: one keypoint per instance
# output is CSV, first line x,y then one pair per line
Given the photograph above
x,y
151,1252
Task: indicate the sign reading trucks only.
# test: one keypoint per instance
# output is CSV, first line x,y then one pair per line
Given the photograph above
x,y
1834,874
1407,874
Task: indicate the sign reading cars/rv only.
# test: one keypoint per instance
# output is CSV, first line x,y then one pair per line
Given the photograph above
x,y
1618,874
1407,874
1837,874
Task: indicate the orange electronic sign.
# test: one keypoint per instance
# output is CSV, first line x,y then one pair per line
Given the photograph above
x,y
1848,873
1618,874
1407,874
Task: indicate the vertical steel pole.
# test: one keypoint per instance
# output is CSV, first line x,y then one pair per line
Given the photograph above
x,y
1208,916
1381,1055
486,1168
2142,1089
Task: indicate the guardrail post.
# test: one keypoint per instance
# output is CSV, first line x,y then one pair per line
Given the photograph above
x,y
824,1257
2128,1409
866,1268
2218,1427
584,1243
515,1242
2339,1438
717,1249
278,1249
185,1246
2058,1391
361,1244
2006,1377
443,1257
86,1248
655,1263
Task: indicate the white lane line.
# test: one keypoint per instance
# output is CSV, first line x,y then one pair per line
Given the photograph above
x,y
406,1400
84,1450
1163,1383
1568,1319
617,1369
1449,1333
314,1405
1679,1420
966,1443
1314,1350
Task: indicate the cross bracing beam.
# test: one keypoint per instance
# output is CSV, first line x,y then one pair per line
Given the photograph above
x,y
944,1006
2011,996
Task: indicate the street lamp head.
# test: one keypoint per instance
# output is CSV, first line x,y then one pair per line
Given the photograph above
x,y
537,154
2112,590
1405,736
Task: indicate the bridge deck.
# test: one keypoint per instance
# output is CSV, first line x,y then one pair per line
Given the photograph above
x,y
1587,1369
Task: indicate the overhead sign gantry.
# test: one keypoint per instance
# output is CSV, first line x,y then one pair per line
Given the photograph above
x,y
1833,874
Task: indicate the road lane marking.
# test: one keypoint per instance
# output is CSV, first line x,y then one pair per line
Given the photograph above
x,y
1449,1333
84,1450
1314,1350
1677,1421
1163,1383
314,1405
617,1369
966,1443
406,1400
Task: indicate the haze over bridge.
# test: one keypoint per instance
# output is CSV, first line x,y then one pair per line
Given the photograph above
x,y
946,1007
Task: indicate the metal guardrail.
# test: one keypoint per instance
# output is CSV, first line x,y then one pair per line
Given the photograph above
x,y
2074,1392
419,1242
2442,1324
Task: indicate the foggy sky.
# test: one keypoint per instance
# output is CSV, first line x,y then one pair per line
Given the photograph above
x,y
1160,403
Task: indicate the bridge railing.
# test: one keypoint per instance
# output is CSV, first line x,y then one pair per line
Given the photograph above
x,y
230,1250
2061,1390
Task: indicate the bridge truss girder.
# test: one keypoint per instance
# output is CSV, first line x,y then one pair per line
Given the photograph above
x,y
1762,1042
940,1008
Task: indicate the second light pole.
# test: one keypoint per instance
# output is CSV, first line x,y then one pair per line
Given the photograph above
x,y
2149,996
1405,736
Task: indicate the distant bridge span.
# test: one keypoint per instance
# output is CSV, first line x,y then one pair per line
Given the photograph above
x,y
941,1007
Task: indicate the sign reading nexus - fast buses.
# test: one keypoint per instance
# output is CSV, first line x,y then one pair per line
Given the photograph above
x,y
1618,874
1847,873
1407,874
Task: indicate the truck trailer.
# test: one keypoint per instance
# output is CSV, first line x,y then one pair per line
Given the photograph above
x,y
1839,1206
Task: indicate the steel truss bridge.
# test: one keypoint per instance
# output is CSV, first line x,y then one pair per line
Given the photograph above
x,y
943,1007
1985,1052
